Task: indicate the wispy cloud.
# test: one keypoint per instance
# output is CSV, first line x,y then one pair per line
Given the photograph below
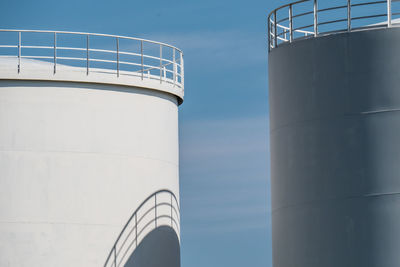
x,y
232,48
227,227
228,156
216,138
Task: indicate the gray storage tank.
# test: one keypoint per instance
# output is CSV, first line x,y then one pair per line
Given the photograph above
x,y
335,134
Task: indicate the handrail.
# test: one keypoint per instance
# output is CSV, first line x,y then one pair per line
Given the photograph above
x,y
93,34
163,61
284,28
122,246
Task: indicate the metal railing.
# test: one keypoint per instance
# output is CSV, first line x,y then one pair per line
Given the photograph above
x,y
306,18
136,57
160,208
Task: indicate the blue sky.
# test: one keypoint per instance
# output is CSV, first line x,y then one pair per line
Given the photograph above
x,y
223,121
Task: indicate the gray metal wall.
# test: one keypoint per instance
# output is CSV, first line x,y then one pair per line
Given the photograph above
x,y
335,150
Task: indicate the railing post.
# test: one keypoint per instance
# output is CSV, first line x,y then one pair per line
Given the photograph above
x,y
87,54
155,209
19,52
291,22
141,55
182,71
160,63
55,52
389,13
269,33
174,66
275,31
315,18
348,15
117,40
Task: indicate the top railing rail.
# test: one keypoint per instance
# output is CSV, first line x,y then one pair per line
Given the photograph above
x,y
305,18
138,57
93,34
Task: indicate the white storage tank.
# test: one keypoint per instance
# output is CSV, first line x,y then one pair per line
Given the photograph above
x,y
89,164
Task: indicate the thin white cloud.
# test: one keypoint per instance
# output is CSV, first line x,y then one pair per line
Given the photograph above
x,y
232,48
226,227
229,156
225,137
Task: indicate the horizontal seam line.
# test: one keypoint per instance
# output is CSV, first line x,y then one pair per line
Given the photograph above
x,y
57,223
93,153
334,199
297,123
380,111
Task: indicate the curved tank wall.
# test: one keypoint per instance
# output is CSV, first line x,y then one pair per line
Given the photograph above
x,y
76,159
335,150
160,248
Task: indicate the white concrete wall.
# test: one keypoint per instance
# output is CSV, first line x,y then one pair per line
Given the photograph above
x,y
75,161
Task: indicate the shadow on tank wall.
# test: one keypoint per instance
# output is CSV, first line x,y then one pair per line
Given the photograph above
x,y
160,248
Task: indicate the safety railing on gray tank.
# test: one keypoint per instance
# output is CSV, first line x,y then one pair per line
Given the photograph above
x,y
311,18
160,208
113,54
